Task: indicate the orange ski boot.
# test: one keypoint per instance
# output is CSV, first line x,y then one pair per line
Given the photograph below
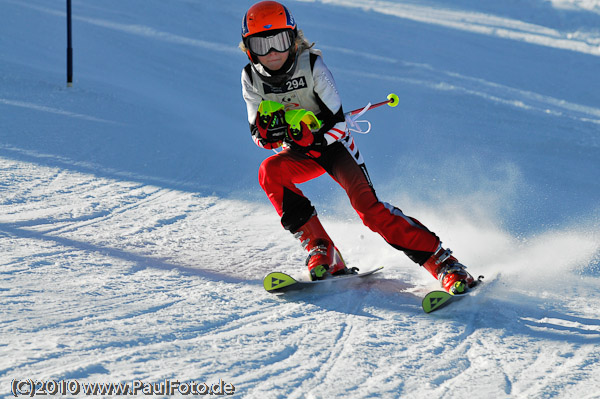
x,y
323,257
450,273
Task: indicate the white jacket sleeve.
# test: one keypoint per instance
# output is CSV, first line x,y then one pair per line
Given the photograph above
x,y
253,100
327,91
251,97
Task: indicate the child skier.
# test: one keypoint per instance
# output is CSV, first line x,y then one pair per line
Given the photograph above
x,y
293,103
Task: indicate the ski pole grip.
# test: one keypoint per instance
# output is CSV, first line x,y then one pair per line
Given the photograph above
x,y
267,108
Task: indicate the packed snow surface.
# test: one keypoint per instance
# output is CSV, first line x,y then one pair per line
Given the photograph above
x,y
134,235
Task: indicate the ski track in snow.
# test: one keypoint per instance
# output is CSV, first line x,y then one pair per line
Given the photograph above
x,y
479,23
110,275
51,110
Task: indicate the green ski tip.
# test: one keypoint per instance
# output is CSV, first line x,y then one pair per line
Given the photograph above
x,y
435,300
277,280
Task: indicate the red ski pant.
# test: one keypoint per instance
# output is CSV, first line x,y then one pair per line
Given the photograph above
x,y
280,173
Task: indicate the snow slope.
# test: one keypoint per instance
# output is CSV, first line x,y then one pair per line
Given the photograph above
x,y
134,236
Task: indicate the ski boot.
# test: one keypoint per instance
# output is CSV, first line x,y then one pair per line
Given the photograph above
x,y
450,273
323,257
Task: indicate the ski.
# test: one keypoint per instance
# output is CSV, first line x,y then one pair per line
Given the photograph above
x,y
436,300
277,282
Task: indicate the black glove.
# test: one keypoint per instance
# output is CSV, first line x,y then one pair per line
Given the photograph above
x,y
272,128
305,141
318,146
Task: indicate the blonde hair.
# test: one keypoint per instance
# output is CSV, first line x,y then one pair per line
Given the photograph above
x,y
301,43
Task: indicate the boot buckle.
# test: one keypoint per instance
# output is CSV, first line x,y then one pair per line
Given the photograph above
x,y
442,257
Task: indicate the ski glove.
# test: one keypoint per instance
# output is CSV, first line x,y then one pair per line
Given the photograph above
x,y
270,122
314,149
305,141
299,134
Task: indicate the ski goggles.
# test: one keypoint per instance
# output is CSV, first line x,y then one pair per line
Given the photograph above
x,y
280,42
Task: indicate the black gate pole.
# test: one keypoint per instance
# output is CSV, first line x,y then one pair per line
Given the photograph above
x,y
69,47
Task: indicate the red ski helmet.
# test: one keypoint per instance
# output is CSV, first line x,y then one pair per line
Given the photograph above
x,y
268,20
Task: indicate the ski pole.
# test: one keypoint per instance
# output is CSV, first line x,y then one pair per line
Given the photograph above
x,y
392,101
352,116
